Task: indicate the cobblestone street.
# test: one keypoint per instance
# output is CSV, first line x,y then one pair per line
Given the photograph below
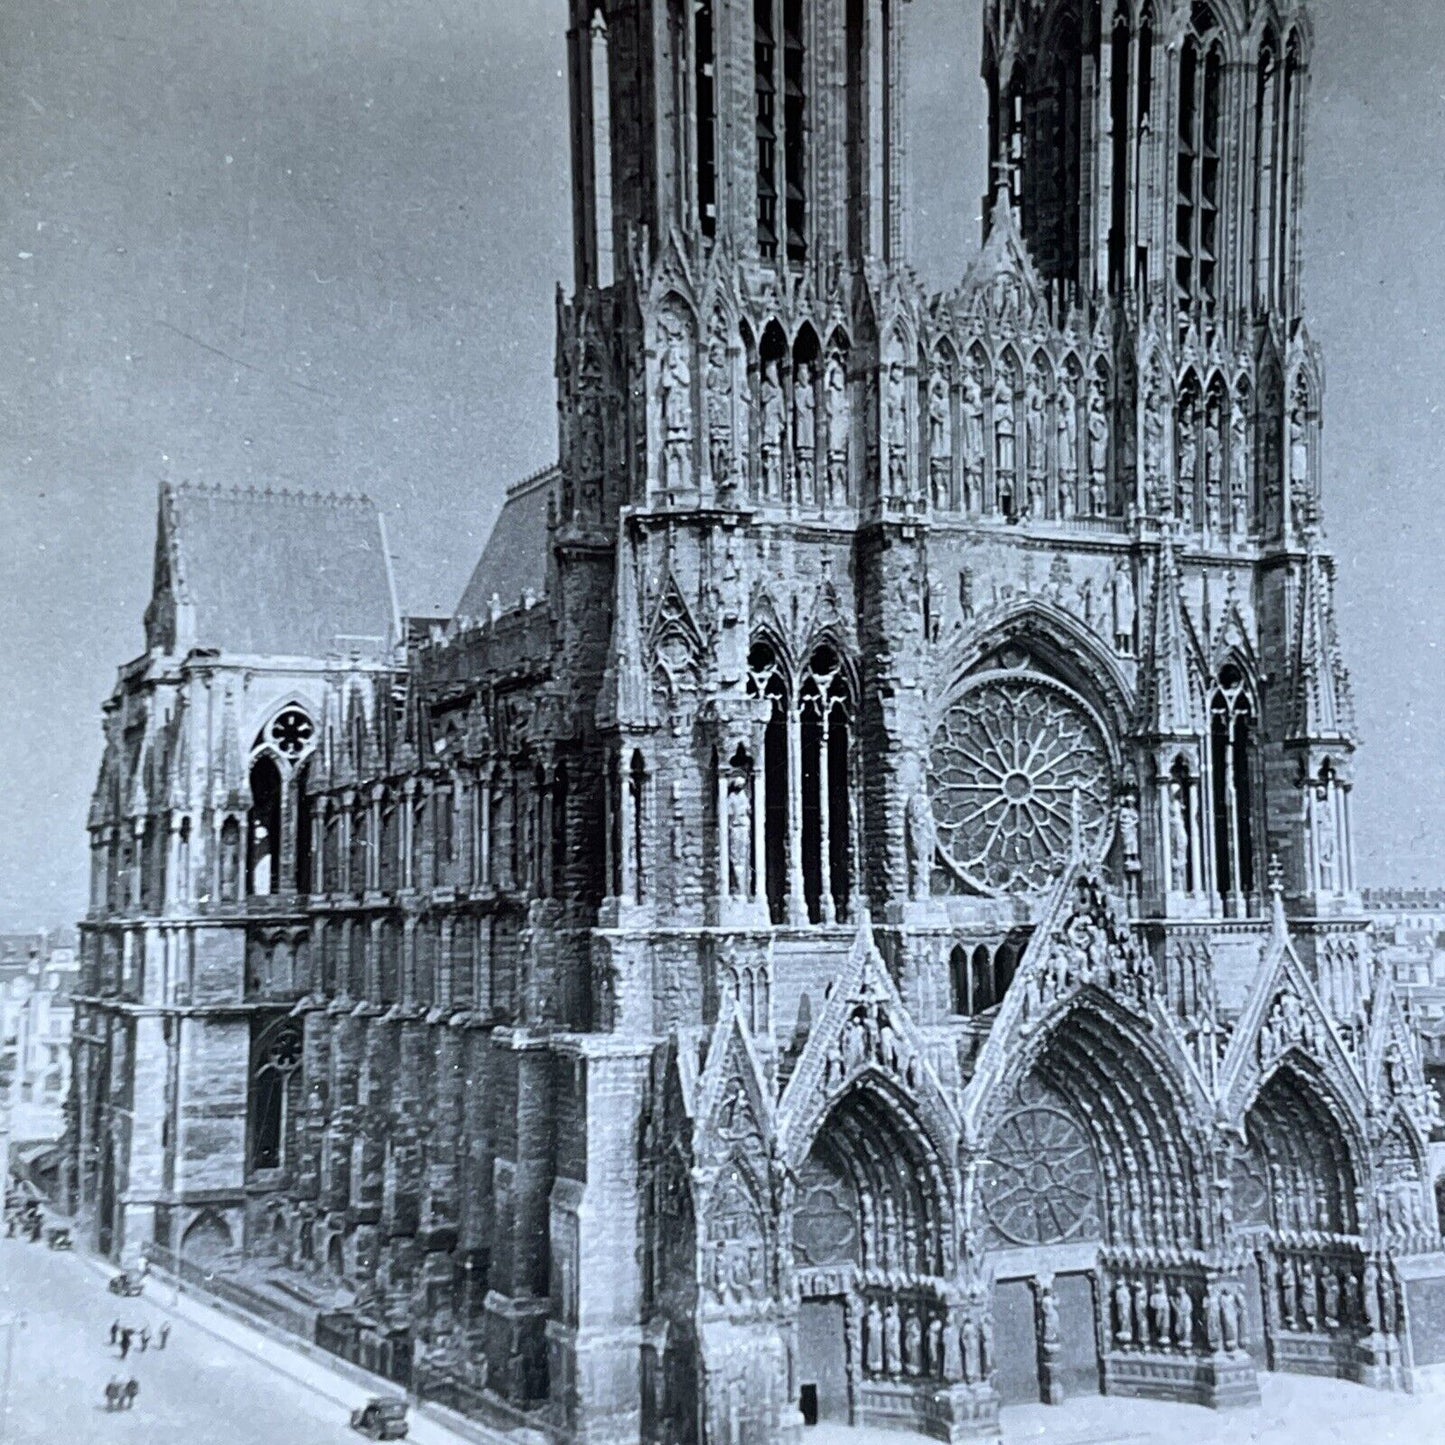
x,y
215,1382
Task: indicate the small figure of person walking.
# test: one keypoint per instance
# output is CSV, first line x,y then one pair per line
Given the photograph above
x,y
125,1336
164,1335
114,1331
145,1338
132,1389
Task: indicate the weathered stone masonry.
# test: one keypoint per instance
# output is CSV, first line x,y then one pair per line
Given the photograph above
x,y
855,917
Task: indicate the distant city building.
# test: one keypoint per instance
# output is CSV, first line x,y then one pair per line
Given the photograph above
x,y
855,918
36,1015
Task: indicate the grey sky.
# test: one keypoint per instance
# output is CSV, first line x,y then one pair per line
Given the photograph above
x,y
315,243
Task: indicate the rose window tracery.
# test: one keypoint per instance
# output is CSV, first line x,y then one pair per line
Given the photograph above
x,y
1041,1182
1014,757
291,733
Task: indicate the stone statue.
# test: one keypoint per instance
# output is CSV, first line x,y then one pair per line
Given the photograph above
x,y
1178,840
675,388
1154,416
1309,1295
940,416
804,430
772,432
892,1339
1183,1317
1048,1317
1230,1320
972,410
1003,428
1289,1295
1124,1312
740,837
1141,1312
913,1345
1037,440
873,1338
1238,469
985,1346
1124,608
922,839
1098,425
1299,453
720,410
1213,469
835,388
969,1341
965,593
897,432
1160,1310
1068,435
1213,1320
230,861
1326,843
1188,460
1129,833
940,437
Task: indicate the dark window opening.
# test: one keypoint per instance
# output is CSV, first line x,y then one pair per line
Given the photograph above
x,y
304,824
276,1060
794,119
1120,123
856,120
705,84
263,829
765,85
1232,786
614,824
638,784
765,681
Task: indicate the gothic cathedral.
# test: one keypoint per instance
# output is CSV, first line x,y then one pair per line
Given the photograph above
x,y
855,918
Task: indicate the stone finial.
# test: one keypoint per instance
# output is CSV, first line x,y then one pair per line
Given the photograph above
x,y
1276,893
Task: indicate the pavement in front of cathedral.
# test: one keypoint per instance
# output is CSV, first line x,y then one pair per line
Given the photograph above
x,y
1296,1410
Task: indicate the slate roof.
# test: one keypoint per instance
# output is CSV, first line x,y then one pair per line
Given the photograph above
x,y
514,561
273,573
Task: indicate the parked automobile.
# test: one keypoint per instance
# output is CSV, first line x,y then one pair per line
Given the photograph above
x,y
123,1284
381,1419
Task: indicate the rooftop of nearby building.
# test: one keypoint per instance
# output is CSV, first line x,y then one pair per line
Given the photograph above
x,y
271,573
514,561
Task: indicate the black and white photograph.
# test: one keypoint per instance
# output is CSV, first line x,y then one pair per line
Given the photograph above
x,y
722,722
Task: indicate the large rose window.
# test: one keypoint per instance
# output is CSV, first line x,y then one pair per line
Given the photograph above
x,y
1013,758
1041,1183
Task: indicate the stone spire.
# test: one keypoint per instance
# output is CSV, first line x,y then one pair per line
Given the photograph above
x,y
1168,693
1324,709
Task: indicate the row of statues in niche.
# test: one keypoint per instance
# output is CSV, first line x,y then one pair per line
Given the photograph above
x,y
1310,1296
917,1341
1152,1315
1026,448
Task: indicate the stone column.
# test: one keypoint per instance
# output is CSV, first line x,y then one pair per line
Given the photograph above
x,y
724,855
826,910
797,899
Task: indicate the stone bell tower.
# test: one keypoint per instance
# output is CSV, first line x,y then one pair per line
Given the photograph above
x,y
1156,160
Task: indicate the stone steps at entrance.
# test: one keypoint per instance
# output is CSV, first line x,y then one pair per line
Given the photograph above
x,y
1295,1410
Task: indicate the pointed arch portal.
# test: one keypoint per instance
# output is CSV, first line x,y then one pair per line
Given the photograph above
x,y
872,1245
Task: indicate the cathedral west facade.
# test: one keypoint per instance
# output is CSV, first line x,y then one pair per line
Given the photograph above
x,y
855,918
